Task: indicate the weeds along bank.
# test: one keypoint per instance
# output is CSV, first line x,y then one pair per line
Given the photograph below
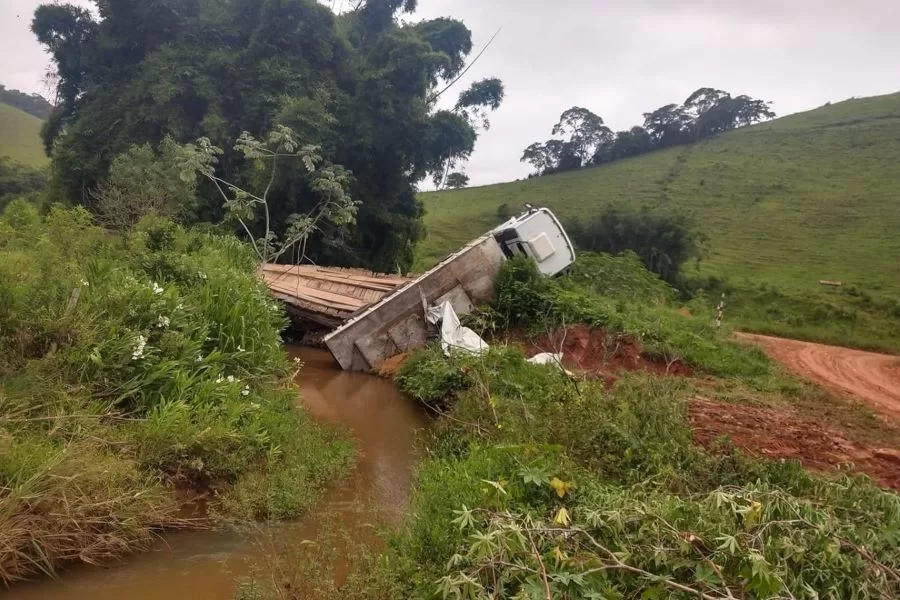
x,y
135,371
540,486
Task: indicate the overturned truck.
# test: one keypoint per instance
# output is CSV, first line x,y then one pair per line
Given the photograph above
x,y
397,323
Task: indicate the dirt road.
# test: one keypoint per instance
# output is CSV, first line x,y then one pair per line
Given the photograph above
x,y
868,376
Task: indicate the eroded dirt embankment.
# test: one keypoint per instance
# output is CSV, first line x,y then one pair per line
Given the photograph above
x,y
774,432
777,430
779,433
867,376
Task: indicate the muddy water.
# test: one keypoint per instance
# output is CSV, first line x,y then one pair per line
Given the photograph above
x,y
208,565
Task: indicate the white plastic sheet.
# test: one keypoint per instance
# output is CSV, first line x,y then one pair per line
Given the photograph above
x,y
456,337
546,358
550,358
453,335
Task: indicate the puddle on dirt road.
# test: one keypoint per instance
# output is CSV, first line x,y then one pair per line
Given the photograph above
x,y
209,565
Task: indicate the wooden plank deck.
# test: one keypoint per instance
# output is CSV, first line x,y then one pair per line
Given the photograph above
x,y
327,295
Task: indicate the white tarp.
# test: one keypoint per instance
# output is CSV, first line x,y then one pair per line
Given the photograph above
x,y
453,335
546,358
456,337
550,358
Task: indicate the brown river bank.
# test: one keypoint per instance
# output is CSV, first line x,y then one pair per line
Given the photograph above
x,y
210,564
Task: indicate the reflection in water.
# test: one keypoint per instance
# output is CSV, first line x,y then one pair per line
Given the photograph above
x,y
201,565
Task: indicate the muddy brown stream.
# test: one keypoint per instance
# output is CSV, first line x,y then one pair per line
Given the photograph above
x,y
209,564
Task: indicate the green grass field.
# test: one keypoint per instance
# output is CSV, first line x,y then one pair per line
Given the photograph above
x,y
807,197
785,204
20,137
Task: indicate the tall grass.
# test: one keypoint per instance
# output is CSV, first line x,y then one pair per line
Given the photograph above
x,y
132,369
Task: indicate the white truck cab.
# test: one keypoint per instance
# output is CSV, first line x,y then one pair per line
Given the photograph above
x,y
539,235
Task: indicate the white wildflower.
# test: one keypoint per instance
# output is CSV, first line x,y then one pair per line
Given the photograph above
x,y
201,275
245,391
138,350
84,283
219,379
163,321
199,357
156,288
232,379
179,306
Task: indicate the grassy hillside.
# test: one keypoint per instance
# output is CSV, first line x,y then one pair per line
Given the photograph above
x,y
806,197
20,137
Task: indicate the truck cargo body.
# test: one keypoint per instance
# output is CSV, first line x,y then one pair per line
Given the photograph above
x,y
396,323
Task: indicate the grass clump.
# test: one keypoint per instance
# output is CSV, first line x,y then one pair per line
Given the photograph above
x,y
134,368
538,485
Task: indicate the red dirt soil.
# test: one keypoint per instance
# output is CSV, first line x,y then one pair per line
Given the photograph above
x,y
595,353
868,376
775,433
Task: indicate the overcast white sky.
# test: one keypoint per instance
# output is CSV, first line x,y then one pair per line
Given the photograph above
x,y
621,59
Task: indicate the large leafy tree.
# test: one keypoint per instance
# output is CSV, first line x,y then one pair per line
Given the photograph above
x,y
582,133
360,86
456,181
668,125
633,142
585,131
715,111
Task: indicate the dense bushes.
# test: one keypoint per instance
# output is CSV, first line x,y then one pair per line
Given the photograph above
x,y
137,365
538,485
664,242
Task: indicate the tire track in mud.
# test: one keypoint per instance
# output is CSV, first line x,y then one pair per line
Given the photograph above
x,y
870,377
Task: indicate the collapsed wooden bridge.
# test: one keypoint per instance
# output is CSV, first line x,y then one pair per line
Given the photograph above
x,y
327,296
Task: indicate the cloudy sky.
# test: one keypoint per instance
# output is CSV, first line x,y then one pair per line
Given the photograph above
x,y
622,58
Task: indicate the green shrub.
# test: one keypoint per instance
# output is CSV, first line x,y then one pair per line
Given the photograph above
x,y
753,542
19,181
162,347
623,277
430,377
665,242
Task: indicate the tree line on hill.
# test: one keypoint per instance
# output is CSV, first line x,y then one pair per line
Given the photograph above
x,y
359,90
34,104
584,140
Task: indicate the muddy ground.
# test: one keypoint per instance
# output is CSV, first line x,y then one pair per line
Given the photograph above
x,y
817,438
870,377
780,433
774,432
